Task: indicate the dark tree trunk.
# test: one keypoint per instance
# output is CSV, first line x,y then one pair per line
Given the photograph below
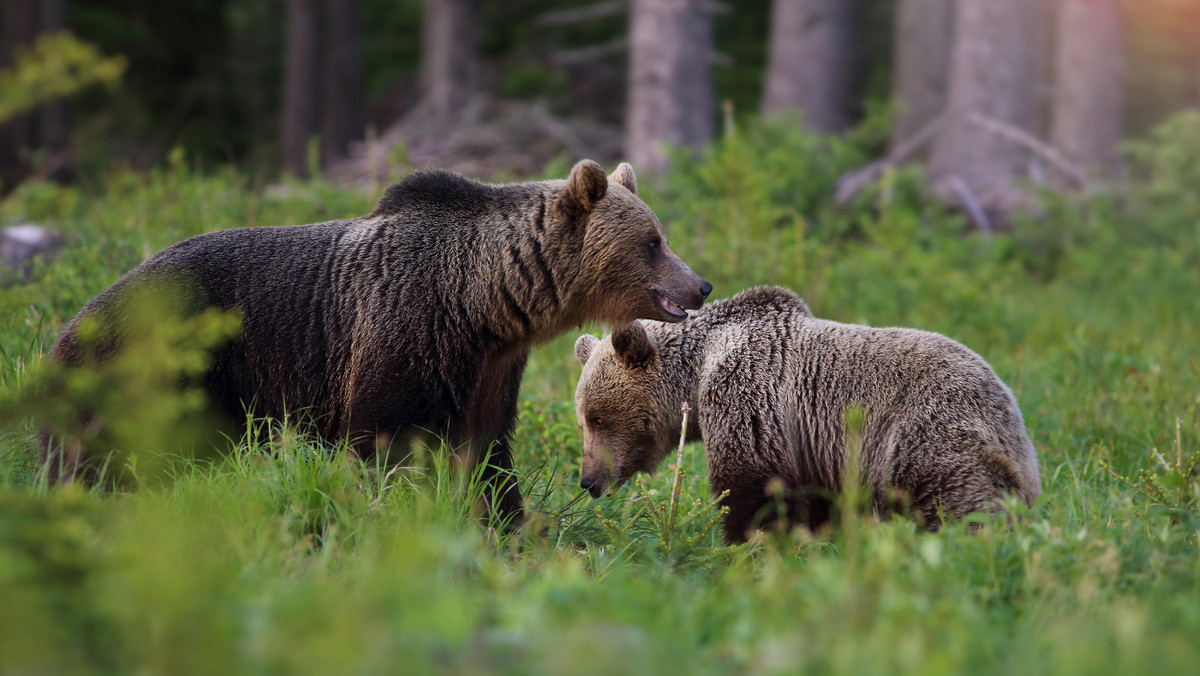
x,y
992,78
301,55
342,116
810,68
18,135
696,83
449,55
20,25
1086,123
53,124
670,81
924,42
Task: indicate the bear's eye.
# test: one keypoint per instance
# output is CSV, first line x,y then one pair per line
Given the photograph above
x,y
645,422
596,422
654,244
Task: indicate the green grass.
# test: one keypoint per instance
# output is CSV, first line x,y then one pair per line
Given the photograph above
x,y
288,557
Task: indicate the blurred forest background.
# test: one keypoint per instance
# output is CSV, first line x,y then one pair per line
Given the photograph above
x,y
989,93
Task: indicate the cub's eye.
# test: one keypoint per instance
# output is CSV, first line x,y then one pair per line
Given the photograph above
x,y
596,422
645,422
655,244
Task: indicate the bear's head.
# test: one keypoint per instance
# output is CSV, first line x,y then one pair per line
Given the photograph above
x,y
627,270
622,407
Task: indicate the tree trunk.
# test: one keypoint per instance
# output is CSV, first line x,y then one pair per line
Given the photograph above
x,y
342,118
670,82
992,76
17,135
53,128
300,82
19,24
924,41
811,63
695,86
1086,124
449,55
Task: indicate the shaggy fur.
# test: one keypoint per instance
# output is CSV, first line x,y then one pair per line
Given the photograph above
x,y
770,384
420,314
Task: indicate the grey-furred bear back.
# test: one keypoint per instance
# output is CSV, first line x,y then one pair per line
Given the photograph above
x,y
770,385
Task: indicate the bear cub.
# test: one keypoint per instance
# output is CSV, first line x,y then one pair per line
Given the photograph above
x,y
770,384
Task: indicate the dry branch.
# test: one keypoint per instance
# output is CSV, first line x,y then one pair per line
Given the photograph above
x,y
570,57
969,202
670,524
720,60
1032,144
715,7
850,184
559,130
600,10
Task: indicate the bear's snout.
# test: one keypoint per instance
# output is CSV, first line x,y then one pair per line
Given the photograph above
x,y
679,289
592,484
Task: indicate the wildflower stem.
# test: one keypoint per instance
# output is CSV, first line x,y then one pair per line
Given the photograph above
x,y
678,478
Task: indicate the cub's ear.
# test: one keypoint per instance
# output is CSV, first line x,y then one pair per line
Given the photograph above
x,y
633,346
585,186
625,177
584,346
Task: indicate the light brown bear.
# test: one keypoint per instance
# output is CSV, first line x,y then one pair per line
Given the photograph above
x,y
417,316
770,383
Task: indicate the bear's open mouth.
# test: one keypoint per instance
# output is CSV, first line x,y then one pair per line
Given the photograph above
x,y
672,309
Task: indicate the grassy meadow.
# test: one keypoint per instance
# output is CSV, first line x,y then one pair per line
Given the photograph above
x,y
287,557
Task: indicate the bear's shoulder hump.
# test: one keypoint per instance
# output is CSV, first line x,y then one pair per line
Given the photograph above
x,y
434,187
761,299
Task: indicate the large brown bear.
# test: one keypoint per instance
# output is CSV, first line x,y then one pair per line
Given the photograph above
x,y
419,315
770,384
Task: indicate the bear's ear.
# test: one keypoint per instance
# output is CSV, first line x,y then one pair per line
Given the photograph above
x,y
625,177
633,345
585,186
584,346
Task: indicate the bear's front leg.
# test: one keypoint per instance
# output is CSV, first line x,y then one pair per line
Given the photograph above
x,y
748,504
487,428
764,502
501,494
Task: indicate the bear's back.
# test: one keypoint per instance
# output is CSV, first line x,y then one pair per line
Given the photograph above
x,y
892,366
765,351
771,335
917,387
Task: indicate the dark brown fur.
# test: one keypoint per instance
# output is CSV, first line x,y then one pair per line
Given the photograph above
x,y
770,385
420,314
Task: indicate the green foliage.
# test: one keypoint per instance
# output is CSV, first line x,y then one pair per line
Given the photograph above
x,y
1173,486
55,66
286,555
46,566
145,404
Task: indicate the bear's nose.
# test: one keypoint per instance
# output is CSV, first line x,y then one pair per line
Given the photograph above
x,y
592,485
705,289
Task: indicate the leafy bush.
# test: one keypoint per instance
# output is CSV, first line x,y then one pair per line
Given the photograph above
x,y
55,66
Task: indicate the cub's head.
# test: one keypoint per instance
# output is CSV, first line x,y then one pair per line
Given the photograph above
x,y
623,406
627,268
